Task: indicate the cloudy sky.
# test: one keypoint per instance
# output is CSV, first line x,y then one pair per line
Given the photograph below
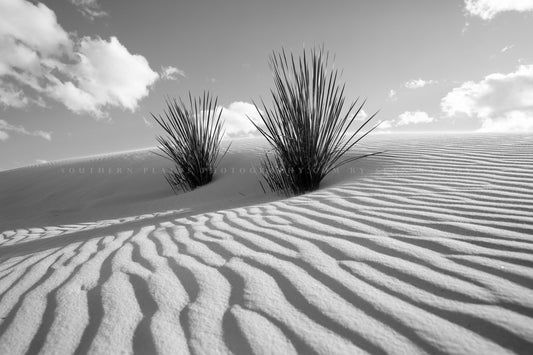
x,y
80,77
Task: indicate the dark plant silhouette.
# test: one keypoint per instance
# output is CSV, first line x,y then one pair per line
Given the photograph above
x,y
192,141
307,126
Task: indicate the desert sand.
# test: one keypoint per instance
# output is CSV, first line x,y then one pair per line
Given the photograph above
x,y
426,248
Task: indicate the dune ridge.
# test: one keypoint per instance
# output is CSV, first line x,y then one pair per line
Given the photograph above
x,y
426,248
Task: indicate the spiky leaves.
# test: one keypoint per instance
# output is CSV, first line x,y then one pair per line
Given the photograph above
x,y
307,125
192,141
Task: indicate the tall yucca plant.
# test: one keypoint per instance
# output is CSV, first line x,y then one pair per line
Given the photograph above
x,y
194,134
307,126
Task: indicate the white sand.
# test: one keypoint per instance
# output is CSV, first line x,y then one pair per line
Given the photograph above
x,y
425,249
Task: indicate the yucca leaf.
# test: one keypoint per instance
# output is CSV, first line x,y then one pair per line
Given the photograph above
x,y
306,124
192,141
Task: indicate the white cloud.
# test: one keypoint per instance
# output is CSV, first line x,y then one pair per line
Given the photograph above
x,y
5,126
418,83
33,25
465,28
11,97
514,121
236,119
73,98
237,124
89,8
360,117
147,122
487,9
86,74
500,101
106,74
464,99
506,48
171,73
392,95
385,125
110,75
413,117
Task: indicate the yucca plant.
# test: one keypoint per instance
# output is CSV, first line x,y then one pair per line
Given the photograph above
x,y
307,126
192,141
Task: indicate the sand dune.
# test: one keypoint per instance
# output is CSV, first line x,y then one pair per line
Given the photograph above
x,y
426,248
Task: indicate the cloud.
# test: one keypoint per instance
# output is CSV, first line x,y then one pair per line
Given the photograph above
x,y
34,26
465,28
500,101
413,117
392,95
87,75
506,48
385,125
406,118
147,122
89,8
237,124
11,97
171,73
418,83
514,121
488,9
5,126
236,119
108,74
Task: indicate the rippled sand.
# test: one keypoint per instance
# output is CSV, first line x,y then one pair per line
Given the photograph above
x,y
426,248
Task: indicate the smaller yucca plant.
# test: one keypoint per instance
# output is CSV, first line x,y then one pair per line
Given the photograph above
x,y
192,141
308,125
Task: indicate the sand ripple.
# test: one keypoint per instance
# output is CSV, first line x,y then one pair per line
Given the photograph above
x,y
429,253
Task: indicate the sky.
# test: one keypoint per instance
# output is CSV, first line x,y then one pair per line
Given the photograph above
x,y
81,77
